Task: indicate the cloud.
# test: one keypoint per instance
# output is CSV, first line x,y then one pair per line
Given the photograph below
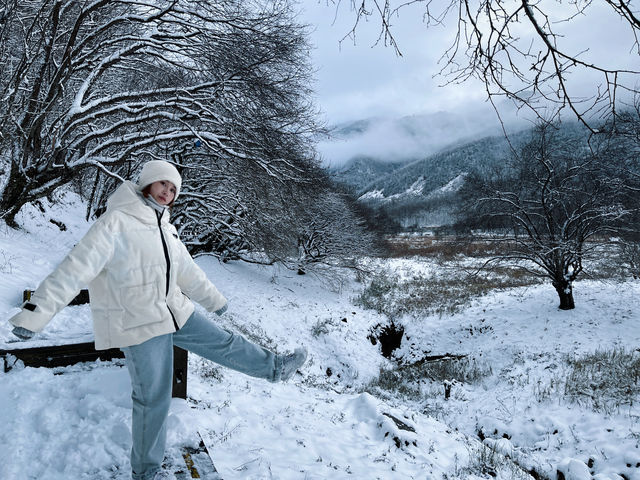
x,y
384,140
415,136
365,78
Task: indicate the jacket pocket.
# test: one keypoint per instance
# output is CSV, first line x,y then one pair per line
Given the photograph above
x,y
140,303
179,302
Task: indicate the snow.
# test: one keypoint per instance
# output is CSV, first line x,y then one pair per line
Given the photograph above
x,y
573,469
415,189
372,195
453,185
74,422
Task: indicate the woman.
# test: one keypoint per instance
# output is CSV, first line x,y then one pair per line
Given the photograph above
x,y
141,281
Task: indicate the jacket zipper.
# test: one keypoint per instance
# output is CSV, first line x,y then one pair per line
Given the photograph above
x,y
166,257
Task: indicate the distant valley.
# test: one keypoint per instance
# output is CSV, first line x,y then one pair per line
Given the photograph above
x,y
422,193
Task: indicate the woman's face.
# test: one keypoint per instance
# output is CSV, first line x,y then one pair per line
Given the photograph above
x,y
163,192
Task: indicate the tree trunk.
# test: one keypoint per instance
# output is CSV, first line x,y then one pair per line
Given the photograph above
x,y
24,187
565,292
12,198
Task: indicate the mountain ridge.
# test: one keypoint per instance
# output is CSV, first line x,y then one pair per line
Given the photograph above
x,y
422,192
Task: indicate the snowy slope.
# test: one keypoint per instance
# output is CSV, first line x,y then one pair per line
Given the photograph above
x,y
323,424
524,338
76,425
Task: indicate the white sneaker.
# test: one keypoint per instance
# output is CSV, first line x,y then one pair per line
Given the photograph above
x,y
292,362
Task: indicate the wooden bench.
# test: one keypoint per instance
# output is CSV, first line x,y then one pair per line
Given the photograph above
x,y
65,355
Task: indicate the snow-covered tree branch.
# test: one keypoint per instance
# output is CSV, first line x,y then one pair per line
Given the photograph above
x,y
94,87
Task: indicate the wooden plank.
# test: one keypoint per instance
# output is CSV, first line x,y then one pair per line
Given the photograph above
x,y
199,462
60,355
180,366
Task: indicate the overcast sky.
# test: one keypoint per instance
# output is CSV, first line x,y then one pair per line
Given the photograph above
x,y
364,80
368,80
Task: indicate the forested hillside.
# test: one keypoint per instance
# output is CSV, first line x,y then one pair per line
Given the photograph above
x,y
424,193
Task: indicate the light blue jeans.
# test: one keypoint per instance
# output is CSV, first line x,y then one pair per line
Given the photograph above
x,y
150,366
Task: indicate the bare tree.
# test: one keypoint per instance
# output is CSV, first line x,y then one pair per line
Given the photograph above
x,y
560,202
333,231
298,224
98,85
220,89
519,50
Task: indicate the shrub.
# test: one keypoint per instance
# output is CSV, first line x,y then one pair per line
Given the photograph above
x,y
605,380
392,381
6,262
321,327
487,462
206,369
460,369
406,379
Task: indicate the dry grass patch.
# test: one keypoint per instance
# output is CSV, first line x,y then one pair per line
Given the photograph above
x,y
605,380
447,248
406,380
424,294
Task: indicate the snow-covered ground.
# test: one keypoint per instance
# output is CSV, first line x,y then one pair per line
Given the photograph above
x,y
328,422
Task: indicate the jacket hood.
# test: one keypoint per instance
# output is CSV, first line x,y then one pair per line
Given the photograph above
x,y
129,200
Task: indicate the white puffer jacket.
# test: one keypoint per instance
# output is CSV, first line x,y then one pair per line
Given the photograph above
x,y
140,277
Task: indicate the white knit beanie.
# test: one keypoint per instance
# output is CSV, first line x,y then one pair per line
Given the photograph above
x,y
156,170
